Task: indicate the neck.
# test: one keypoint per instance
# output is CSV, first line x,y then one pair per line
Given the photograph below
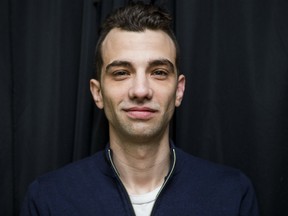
x,y
142,167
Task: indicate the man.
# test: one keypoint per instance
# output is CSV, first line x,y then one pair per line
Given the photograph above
x,y
141,172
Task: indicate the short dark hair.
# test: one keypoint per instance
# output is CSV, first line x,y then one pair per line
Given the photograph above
x,y
135,17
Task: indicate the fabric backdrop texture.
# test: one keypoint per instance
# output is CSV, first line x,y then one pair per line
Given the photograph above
x,y
234,54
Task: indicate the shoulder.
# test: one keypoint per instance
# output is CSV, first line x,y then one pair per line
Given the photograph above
x,y
75,169
210,174
198,185
87,182
83,171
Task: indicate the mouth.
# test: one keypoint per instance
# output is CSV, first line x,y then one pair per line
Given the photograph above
x,y
140,113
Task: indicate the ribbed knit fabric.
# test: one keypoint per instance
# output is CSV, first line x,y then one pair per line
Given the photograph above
x,y
90,187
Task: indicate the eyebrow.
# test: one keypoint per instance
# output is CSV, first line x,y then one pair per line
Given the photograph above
x,y
152,63
162,62
118,63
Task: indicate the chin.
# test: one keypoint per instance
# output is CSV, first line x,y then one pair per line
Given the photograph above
x,y
145,135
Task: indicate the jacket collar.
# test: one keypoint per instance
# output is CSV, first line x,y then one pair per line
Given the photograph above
x,y
112,170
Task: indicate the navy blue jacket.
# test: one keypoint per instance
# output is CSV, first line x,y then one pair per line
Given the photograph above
x,y
91,187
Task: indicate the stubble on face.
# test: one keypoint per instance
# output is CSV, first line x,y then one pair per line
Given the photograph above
x,y
138,130
121,106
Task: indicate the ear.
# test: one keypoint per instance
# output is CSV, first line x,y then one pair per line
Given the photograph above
x,y
95,89
180,90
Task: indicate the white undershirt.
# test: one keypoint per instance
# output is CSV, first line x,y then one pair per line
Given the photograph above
x,y
143,203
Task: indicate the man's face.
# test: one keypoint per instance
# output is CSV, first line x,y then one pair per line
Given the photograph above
x,y
139,86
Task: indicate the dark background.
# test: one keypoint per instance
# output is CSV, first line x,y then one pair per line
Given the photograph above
x,y
234,54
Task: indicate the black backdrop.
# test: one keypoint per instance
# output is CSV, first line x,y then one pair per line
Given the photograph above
x,y
234,54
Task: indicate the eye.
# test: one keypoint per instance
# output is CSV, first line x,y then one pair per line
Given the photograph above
x,y
160,74
120,74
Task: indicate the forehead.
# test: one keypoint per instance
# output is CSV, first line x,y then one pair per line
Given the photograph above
x,y
137,46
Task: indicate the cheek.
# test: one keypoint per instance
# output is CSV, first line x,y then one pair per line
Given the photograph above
x,y
112,98
168,100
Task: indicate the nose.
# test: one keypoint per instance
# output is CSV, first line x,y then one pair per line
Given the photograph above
x,y
140,89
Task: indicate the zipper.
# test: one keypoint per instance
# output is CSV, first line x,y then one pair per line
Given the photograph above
x,y
165,182
161,189
121,184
